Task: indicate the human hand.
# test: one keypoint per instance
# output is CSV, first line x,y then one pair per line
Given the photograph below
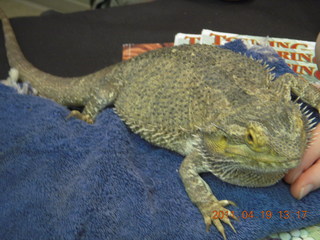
x,y
306,177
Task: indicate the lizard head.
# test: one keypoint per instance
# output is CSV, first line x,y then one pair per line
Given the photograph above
x,y
257,145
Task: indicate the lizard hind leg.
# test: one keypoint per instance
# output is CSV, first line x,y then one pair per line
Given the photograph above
x,y
99,100
301,88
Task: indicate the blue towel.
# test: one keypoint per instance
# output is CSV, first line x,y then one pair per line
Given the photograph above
x,y
65,179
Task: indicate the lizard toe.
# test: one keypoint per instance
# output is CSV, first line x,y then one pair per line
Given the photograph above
x,y
81,116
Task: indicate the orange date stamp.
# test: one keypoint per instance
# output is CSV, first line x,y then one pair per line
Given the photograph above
x,y
262,214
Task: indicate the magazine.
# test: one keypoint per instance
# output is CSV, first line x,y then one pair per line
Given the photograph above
x,y
298,54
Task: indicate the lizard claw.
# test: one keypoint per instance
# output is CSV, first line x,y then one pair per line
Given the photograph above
x,y
81,116
214,213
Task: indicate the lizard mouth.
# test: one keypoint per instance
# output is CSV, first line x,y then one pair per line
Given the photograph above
x,y
269,160
245,156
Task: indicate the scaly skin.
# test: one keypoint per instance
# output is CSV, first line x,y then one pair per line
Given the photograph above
x,y
219,109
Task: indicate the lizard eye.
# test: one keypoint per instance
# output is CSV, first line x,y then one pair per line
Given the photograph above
x,y
256,138
249,137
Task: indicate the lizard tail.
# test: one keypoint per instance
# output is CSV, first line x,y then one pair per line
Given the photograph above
x,y
45,83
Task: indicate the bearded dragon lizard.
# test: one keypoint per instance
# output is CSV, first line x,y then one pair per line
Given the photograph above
x,y
219,109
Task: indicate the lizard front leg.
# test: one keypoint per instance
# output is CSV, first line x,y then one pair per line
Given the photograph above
x,y
201,194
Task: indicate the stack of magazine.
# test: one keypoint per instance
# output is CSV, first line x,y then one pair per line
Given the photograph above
x,y
298,54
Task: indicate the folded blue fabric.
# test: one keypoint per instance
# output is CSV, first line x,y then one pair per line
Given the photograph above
x,y
65,179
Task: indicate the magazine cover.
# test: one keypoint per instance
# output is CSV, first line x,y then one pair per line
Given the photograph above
x,y
298,54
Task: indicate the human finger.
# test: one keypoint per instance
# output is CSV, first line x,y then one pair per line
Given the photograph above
x,y
311,154
308,181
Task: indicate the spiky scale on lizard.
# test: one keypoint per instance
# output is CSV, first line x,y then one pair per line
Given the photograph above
x,y
219,109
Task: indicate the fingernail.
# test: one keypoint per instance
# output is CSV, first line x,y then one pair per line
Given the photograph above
x,y
305,190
